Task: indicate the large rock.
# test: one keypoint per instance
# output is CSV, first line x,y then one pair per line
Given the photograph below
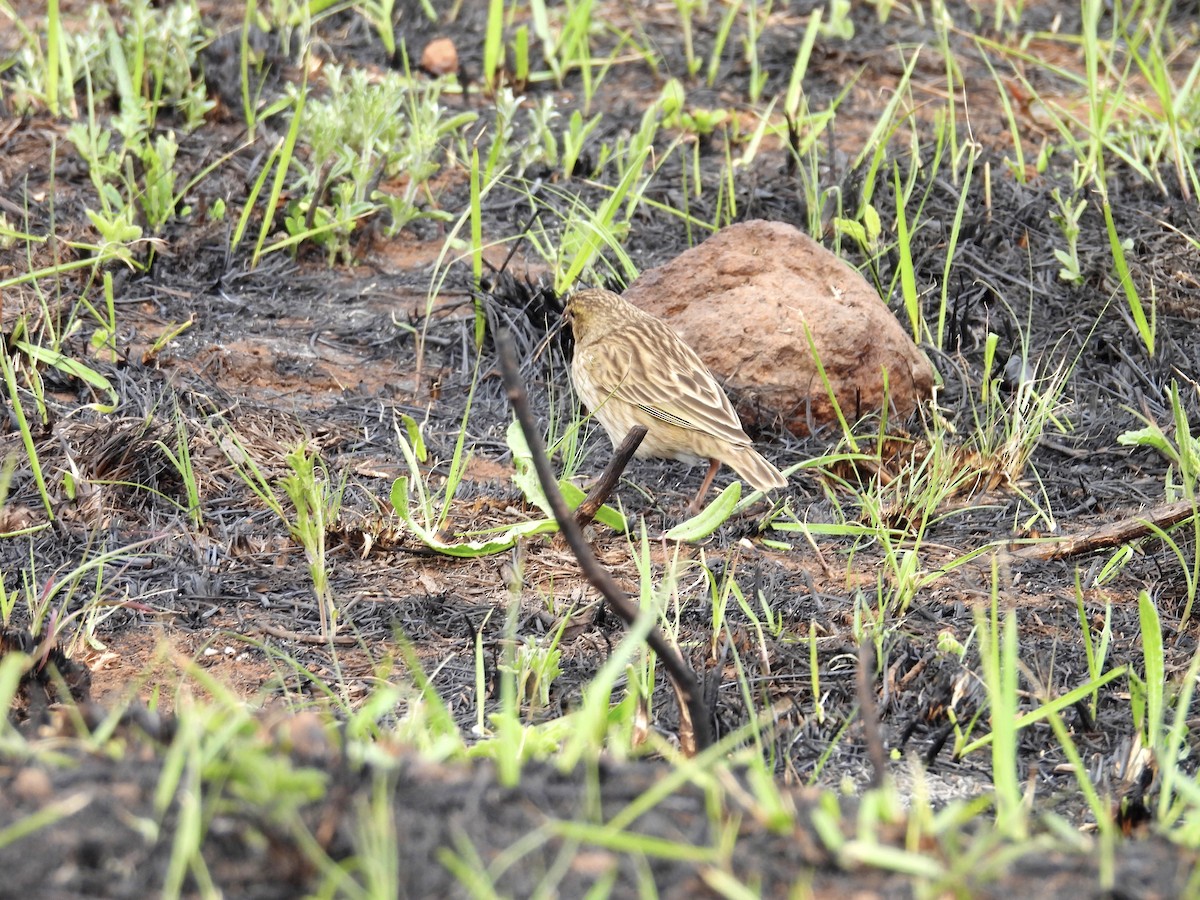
x,y
741,299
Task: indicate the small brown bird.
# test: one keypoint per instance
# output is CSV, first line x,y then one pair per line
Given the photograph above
x,y
633,369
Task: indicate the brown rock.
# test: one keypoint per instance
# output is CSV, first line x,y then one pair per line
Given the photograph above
x,y
440,57
741,300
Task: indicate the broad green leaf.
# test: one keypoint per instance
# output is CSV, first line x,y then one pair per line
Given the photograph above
x,y
710,518
74,368
525,477
503,541
414,436
574,495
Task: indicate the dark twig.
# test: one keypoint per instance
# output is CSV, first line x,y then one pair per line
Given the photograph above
x,y
870,713
609,477
685,682
524,232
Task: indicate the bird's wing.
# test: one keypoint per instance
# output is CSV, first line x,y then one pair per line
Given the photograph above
x,y
668,381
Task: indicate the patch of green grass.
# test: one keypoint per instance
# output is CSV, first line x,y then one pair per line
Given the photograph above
x,y
146,62
359,138
1182,451
1134,104
315,498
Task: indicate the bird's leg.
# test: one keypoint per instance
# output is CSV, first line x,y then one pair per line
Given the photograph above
x,y
713,465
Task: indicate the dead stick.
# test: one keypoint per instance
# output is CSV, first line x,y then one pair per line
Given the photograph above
x,y
870,713
683,677
1110,535
608,479
276,631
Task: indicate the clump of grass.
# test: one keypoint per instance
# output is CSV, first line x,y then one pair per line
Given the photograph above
x,y
142,67
1124,58
147,62
1182,483
316,499
371,148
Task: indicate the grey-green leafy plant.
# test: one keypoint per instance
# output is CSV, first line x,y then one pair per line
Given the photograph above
x,y
316,499
1067,219
138,74
372,147
147,62
37,75
1182,452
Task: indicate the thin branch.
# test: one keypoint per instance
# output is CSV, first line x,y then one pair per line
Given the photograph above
x,y
608,479
1110,535
683,678
869,713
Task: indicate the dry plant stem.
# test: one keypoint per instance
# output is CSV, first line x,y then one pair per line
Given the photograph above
x,y
608,479
681,675
870,714
284,634
1110,535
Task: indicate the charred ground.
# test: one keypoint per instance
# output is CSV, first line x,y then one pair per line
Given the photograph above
x,y
292,350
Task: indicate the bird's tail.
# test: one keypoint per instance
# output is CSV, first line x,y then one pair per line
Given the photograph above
x,y
750,465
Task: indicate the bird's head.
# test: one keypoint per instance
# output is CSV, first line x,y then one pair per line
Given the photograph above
x,y
594,310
